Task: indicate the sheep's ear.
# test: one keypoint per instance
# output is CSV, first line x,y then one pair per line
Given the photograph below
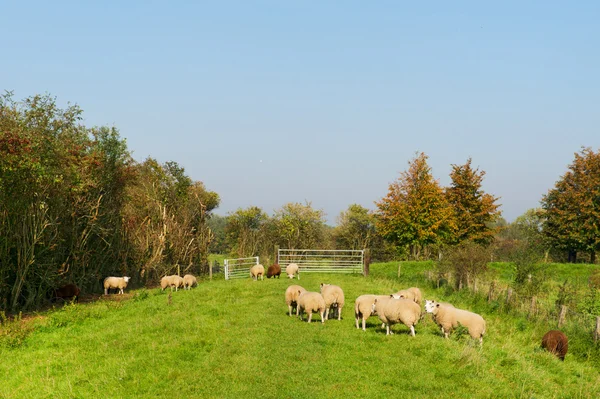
x,y
437,305
391,295
375,301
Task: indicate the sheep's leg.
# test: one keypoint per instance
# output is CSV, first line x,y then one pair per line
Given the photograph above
x,y
290,306
327,313
298,276
339,313
412,330
309,316
387,329
356,319
364,322
322,320
105,291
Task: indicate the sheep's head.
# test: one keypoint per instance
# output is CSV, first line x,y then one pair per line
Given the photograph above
x,y
126,279
431,306
374,306
396,296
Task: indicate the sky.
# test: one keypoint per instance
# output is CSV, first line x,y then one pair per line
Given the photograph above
x,y
270,102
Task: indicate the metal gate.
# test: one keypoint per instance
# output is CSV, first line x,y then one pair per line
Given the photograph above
x,y
239,268
323,260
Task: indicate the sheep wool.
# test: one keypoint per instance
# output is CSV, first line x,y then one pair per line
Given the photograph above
x,y
363,308
310,302
257,271
448,318
189,281
412,293
274,271
556,342
119,283
393,310
291,297
334,299
292,270
173,281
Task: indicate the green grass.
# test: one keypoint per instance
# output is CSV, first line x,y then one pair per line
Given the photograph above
x,y
233,339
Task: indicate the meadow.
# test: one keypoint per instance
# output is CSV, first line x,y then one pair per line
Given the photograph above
x,y
234,339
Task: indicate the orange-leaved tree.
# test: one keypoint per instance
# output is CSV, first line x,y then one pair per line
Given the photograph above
x,y
415,212
474,211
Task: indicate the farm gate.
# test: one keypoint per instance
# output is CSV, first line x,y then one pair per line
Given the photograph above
x,y
323,260
239,268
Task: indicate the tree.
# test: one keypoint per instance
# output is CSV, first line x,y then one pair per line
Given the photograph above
x,y
415,212
572,207
355,229
299,226
474,211
246,231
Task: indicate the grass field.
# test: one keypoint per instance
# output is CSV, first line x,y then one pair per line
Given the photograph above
x,y
233,339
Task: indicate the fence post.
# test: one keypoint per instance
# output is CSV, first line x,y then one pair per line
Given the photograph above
x,y
491,291
210,267
509,293
532,310
597,331
399,269
277,254
562,316
367,261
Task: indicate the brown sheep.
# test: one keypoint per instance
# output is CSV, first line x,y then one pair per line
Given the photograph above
x,y
274,270
67,292
556,342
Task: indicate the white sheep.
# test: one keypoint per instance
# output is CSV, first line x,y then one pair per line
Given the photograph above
x,y
449,317
189,281
394,310
412,293
291,296
310,302
173,281
363,308
115,282
291,270
334,298
257,271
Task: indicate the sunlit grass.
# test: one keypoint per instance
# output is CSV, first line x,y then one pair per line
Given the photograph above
x,y
233,339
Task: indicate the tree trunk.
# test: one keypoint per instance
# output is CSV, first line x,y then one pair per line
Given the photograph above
x,y
572,256
593,257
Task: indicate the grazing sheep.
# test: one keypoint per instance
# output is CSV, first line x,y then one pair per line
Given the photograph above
x,y
363,308
173,281
334,298
189,281
119,283
291,296
393,309
556,342
274,270
412,293
449,317
67,292
257,271
310,302
291,270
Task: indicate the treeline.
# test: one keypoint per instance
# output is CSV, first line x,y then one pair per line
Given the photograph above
x,y
75,207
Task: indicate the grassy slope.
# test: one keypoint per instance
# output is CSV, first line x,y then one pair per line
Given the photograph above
x,y
234,340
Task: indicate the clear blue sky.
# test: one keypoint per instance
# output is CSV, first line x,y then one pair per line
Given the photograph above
x,y
334,97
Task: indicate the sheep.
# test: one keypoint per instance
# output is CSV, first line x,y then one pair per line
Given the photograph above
x,y
119,283
334,298
393,309
173,281
449,317
556,342
189,281
292,269
274,270
310,302
412,293
363,307
68,291
256,271
291,296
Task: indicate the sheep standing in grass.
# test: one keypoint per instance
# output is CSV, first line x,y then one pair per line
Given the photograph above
x,y
291,296
274,270
189,281
363,308
449,317
334,299
310,302
412,293
292,270
68,291
119,283
257,271
173,281
556,342
392,310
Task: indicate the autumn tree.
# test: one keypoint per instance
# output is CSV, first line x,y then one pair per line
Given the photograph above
x,y
355,229
415,212
246,231
474,211
572,218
